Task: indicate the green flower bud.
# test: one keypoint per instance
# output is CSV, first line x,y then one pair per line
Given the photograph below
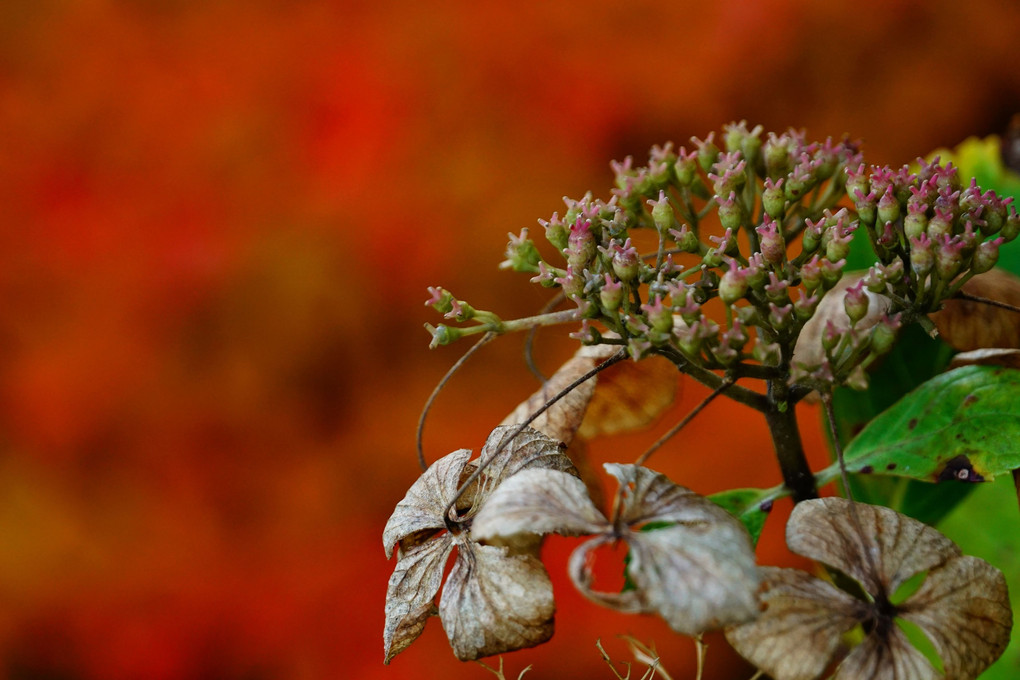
x,y
733,284
985,256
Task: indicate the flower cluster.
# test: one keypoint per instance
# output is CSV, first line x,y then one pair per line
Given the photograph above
x,y
743,243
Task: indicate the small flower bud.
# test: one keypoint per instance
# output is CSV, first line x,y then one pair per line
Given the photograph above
x,y
986,255
855,302
776,289
857,182
707,151
733,284
556,232
611,294
441,299
773,199
442,334
811,274
571,283
662,213
832,272
805,306
780,317
767,354
831,336
866,205
685,239
731,214
883,335
888,206
812,237
948,259
916,221
660,316
626,263
773,248
941,224
1011,227
686,167
922,255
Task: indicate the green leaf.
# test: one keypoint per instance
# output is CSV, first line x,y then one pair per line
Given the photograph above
x,y
959,425
987,525
914,359
750,506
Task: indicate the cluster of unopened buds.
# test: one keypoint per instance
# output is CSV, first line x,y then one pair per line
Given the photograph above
x,y
743,242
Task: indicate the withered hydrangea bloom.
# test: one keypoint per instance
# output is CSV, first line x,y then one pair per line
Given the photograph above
x,y
961,606
497,598
697,571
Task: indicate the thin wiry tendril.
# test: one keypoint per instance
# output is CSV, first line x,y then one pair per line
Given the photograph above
x,y
484,340
619,356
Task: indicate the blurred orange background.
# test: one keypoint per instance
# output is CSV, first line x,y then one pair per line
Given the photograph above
x,y
217,224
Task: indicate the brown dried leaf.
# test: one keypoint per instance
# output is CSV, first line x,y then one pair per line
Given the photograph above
x,y
495,602
991,356
626,396
963,607
967,325
801,625
501,597
421,509
629,396
562,419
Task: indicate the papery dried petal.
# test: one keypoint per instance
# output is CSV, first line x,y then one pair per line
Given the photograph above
x,y
409,596
529,448
964,609
900,547
969,324
538,501
421,509
495,602
887,657
801,625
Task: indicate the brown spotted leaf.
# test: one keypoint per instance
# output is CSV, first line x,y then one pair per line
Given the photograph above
x,y
970,324
497,598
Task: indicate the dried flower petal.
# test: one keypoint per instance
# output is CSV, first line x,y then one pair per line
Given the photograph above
x,y
697,573
495,602
962,605
497,598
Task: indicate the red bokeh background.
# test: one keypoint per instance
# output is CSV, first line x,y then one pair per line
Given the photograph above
x,y
217,224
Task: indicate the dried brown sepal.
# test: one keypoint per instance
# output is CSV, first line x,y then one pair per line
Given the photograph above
x,y
970,324
698,573
961,606
497,598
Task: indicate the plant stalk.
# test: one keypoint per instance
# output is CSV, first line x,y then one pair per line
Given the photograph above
x,y
782,421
